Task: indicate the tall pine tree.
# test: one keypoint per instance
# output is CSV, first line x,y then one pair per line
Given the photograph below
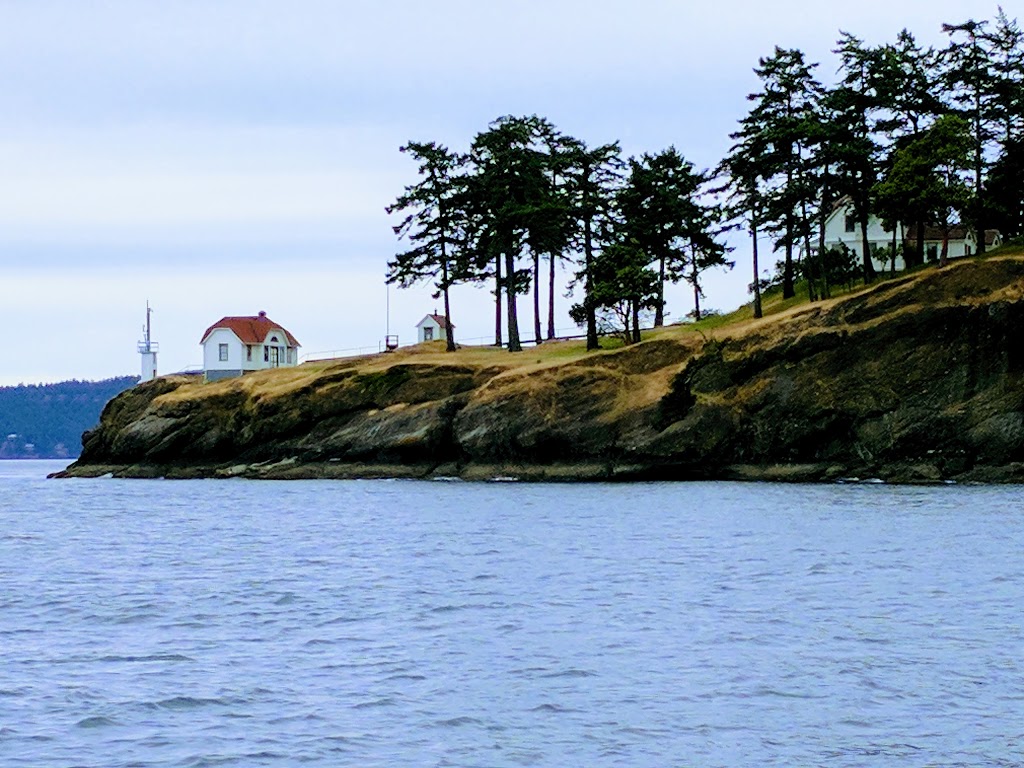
x,y
434,224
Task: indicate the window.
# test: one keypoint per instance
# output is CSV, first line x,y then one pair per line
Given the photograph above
x,y
222,350
248,352
428,334
933,252
851,223
291,355
266,354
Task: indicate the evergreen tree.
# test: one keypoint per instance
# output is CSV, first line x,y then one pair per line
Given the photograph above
x,y
1005,47
783,119
434,224
906,81
552,233
594,176
927,172
746,174
972,87
510,188
623,284
1006,189
658,212
852,106
705,250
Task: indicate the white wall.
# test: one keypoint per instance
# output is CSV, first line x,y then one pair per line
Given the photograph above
x,y
149,371
236,351
429,322
836,234
282,344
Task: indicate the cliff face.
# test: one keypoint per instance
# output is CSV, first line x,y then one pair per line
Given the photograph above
x,y
916,379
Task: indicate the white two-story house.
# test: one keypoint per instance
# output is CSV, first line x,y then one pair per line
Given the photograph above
x,y
842,228
236,345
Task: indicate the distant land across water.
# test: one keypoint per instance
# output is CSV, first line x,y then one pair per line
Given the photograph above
x,y
46,421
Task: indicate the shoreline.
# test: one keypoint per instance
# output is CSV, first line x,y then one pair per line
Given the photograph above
x,y
579,472
917,380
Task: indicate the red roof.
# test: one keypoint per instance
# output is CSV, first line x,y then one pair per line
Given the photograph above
x,y
439,319
956,232
250,330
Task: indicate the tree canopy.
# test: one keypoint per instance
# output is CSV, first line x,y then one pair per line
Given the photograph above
x,y
915,136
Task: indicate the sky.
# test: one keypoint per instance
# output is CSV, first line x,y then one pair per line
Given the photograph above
x,y
223,157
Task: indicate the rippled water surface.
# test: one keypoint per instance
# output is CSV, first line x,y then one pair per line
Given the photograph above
x,y
219,623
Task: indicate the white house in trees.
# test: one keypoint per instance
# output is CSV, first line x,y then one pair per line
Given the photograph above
x,y
433,327
841,228
236,345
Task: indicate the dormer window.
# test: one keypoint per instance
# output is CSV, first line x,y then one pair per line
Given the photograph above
x,y
851,223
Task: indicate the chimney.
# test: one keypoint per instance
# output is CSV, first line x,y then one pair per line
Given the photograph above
x,y
262,313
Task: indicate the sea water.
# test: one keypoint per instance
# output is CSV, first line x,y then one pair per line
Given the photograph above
x,y
376,623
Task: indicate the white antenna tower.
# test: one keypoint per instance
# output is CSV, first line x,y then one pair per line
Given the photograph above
x,y
148,349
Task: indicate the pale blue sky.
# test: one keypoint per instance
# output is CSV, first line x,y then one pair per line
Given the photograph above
x,y
226,157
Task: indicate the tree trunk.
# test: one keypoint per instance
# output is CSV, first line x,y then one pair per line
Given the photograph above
x,y
892,269
944,254
497,301
588,302
920,242
809,266
551,299
511,289
757,277
636,322
588,252
979,209
869,267
448,332
659,310
536,300
788,288
826,290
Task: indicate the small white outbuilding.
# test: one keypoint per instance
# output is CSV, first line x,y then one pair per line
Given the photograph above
x,y
433,327
236,345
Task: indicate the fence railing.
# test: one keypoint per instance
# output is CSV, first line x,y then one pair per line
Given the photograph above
x,y
563,334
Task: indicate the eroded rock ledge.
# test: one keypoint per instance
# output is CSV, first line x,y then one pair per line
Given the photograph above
x,y
918,379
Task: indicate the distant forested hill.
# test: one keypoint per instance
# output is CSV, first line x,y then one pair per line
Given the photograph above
x,y
46,421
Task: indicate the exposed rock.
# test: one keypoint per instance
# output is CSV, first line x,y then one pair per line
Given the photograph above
x,y
918,379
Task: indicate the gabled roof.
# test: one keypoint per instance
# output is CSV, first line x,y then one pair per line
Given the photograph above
x,y
439,319
250,330
956,233
841,204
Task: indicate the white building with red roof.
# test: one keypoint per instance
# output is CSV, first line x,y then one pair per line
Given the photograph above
x,y
236,345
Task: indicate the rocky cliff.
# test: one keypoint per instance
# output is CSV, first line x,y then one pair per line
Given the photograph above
x,y
916,379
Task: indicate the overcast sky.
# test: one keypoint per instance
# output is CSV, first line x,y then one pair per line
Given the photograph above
x,y
222,157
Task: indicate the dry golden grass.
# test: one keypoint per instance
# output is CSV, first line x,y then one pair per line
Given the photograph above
x,y
643,372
